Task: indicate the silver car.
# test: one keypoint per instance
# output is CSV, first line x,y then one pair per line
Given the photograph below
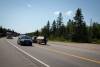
x,y
24,40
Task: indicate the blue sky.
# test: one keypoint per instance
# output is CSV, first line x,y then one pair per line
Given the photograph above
x,y
29,15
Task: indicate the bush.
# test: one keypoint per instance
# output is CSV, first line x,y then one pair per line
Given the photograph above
x,y
96,41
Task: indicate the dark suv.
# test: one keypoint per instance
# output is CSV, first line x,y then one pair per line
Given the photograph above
x,y
24,40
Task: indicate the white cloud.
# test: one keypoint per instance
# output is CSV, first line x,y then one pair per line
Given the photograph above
x,y
56,12
29,5
69,13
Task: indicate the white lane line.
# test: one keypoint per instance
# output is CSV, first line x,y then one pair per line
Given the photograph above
x,y
28,54
72,55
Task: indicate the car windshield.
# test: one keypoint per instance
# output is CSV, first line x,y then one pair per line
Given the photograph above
x,y
25,37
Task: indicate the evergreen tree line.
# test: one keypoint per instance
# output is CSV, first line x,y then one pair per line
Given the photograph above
x,y
3,32
75,30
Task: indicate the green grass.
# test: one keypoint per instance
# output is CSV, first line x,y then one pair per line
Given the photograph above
x,y
95,41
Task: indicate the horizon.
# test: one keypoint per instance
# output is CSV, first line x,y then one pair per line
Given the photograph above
x,y
26,16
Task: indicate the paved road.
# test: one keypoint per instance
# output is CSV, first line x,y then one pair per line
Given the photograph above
x,y
55,54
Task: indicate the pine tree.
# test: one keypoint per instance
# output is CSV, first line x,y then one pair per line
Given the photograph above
x,y
96,30
59,24
36,33
59,20
70,29
45,31
48,28
80,34
53,28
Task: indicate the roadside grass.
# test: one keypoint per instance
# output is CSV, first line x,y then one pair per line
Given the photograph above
x,y
61,40
97,42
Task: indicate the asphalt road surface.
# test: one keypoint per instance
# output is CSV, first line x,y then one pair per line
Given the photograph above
x,y
55,54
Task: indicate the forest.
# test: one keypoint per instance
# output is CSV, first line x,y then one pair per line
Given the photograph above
x,y
75,30
3,32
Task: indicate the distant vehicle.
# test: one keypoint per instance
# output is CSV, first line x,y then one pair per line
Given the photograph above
x,y
9,35
24,40
0,34
34,39
41,40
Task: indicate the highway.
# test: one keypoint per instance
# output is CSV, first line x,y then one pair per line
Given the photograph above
x,y
55,54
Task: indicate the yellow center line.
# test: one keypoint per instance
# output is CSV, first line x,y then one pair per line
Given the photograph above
x,y
79,57
92,48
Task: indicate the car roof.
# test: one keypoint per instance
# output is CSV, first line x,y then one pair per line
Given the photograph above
x,y
23,36
40,37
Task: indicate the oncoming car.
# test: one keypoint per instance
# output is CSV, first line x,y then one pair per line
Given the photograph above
x,y
9,35
24,40
42,40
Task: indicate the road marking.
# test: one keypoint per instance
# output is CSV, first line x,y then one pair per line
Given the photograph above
x,y
79,57
92,48
28,54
